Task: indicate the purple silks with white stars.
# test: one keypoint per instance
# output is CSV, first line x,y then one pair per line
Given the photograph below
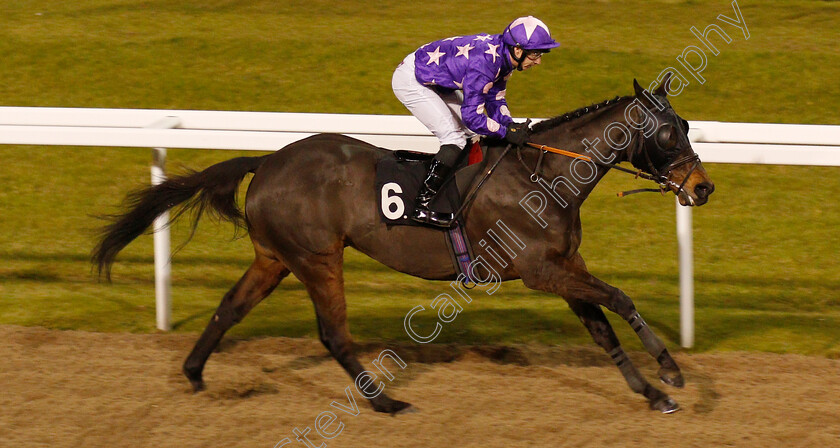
x,y
479,65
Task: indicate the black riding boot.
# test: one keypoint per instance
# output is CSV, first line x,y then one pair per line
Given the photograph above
x,y
438,173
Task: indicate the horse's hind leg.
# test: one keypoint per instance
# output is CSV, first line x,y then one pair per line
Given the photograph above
x,y
596,322
256,284
323,277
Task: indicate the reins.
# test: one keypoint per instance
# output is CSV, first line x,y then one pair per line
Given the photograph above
x,y
574,155
469,198
660,179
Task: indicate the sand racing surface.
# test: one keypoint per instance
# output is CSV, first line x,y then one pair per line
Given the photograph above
x,y
79,389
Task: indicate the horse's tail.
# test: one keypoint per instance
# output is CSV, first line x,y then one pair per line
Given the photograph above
x,y
215,187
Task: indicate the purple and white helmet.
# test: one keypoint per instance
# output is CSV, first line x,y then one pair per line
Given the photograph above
x,y
529,33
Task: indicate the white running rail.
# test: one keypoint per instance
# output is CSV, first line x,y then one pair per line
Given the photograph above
x,y
715,142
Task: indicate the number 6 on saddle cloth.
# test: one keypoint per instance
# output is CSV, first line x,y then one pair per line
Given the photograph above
x,y
400,174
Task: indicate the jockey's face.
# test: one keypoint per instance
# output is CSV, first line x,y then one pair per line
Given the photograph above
x,y
532,58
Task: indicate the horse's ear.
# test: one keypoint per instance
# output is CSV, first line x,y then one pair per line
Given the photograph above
x,y
637,88
664,86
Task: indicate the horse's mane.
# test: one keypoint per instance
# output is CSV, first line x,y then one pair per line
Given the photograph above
x,y
575,114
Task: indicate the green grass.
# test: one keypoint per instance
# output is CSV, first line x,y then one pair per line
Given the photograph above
x,y
766,267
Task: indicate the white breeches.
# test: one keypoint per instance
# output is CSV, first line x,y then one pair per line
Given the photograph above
x,y
440,112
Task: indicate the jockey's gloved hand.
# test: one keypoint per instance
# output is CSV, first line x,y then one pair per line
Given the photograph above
x,y
518,133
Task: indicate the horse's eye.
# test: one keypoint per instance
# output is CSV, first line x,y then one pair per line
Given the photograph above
x,y
666,137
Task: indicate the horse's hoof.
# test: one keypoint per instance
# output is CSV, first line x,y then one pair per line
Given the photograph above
x,y
197,386
666,406
397,407
672,378
393,407
194,375
407,410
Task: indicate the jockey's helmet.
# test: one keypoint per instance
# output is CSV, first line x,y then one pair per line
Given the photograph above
x,y
529,33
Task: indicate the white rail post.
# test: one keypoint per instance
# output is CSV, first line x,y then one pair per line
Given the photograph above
x,y
686,250
163,269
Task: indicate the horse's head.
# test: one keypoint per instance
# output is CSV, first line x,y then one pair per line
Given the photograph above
x,y
665,151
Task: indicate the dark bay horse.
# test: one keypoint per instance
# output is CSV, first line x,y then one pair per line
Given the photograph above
x,y
313,198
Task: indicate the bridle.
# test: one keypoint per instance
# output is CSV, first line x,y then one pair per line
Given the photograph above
x,y
662,177
652,173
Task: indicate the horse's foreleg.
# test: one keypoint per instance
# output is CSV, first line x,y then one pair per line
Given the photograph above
x,y
256,284
616,301
323,277
669,372
571,280
599,327
593,290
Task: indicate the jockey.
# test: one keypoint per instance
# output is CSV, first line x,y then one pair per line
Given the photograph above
x,y
456,87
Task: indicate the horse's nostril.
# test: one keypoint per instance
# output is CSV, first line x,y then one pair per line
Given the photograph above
x,y
704,189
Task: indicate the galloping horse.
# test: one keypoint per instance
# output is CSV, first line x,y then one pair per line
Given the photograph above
x,y
313,198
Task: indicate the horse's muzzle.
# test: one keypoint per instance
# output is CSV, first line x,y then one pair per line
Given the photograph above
x,y
700,194
703,190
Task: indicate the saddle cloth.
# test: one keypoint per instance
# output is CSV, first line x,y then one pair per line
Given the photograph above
x,y
400,174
